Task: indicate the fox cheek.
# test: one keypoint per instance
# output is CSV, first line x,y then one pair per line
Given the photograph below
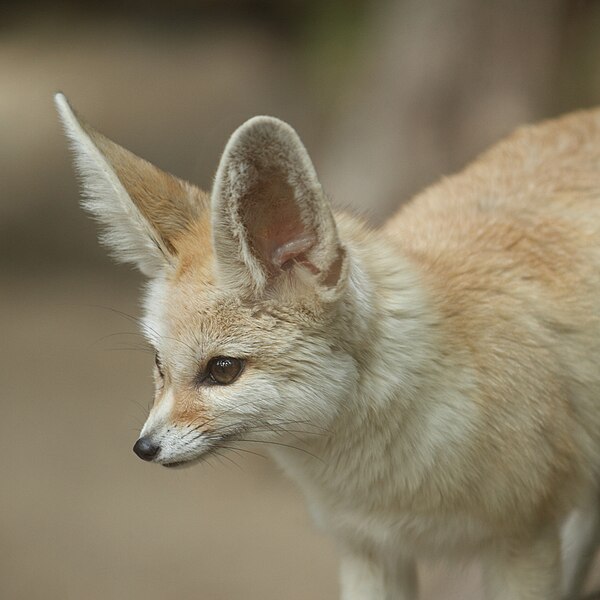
x,y
196,417
189,410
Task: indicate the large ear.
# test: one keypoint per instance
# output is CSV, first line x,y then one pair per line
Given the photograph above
x,y
270,215
142,208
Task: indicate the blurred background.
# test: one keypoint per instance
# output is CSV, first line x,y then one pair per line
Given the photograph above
x,y
388,97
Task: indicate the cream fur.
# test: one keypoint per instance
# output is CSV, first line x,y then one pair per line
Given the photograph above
x,y
440,375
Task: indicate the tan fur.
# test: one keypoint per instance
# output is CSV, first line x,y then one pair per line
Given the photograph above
x,y
171,202
517,235
439,377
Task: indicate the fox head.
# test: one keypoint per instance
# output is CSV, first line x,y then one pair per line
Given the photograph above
x,y
245,292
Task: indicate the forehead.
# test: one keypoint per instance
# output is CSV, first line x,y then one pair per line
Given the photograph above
x,y
188,314
189,311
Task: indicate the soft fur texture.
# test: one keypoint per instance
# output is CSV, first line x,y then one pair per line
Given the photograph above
x,y
438,377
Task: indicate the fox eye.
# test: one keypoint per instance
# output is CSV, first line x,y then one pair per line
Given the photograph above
x,y
158,364
223,370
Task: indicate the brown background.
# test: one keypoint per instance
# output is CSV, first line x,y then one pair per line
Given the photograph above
x,y
388,97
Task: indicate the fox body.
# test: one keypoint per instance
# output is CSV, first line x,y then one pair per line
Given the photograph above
x,y
439,377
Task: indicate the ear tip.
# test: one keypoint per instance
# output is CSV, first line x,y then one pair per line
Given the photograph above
x,y
73,124
263,132
60,101
265,124
63,107
264,121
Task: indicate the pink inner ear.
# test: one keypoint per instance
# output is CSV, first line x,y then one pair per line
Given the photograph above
x,y
274,225
284,256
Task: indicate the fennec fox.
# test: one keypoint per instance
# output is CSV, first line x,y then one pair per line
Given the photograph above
x,y
441,373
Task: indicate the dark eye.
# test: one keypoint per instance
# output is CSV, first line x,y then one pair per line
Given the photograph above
x,y
158,365
224,369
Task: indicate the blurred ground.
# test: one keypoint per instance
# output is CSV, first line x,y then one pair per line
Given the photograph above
x,y
388,96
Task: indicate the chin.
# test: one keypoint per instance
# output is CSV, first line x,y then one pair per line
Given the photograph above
x,y
187,462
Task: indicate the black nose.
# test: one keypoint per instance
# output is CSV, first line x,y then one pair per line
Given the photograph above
x,y
145,448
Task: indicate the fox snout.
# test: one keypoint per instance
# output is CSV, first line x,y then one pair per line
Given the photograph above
x,y
146,448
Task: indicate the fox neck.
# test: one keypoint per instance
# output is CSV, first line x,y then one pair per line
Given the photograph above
x,y
406,389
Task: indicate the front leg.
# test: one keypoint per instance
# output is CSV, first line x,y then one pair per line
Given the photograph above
x,y
580,540
525,570
365,577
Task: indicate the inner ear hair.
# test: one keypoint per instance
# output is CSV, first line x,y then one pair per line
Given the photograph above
x,y
168,203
